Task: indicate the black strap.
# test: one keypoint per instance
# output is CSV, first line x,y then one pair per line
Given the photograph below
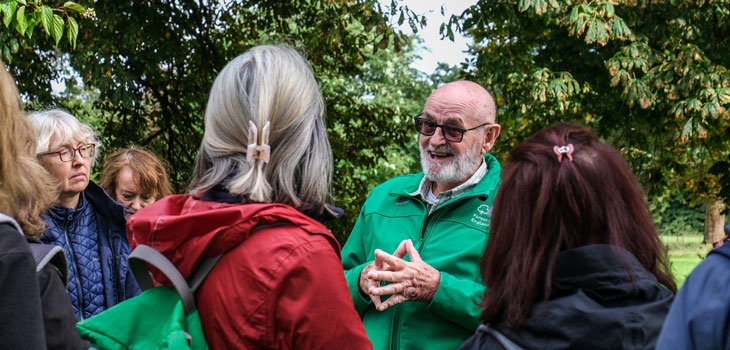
x,y
507,343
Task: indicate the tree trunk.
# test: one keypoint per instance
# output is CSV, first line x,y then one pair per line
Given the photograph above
x,y
714,221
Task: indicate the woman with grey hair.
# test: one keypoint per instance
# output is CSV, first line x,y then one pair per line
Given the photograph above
x,y
86,222
262,173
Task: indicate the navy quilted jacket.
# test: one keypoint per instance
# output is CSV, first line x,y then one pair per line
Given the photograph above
x,y
95,243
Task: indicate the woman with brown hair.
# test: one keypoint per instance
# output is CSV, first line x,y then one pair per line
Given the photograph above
x,y
135,178
573,259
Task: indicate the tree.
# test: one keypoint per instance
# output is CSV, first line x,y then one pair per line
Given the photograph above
x,y
21,17
649,76
149,68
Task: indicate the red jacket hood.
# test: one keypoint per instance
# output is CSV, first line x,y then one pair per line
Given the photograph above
x,y
187,230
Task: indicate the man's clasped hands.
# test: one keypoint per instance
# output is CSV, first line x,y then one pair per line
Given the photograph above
x,y
412,280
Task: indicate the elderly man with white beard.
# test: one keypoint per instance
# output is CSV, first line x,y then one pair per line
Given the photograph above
x,y
411,259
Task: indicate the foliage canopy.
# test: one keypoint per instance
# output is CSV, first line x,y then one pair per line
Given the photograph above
x,y
650,76
145,72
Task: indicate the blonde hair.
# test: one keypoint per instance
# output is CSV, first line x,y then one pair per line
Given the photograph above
x,y
148,171
58,127
275,85
27,190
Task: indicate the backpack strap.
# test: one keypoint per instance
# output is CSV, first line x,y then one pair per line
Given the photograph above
x,y
502,339
53,254
201,272
145,254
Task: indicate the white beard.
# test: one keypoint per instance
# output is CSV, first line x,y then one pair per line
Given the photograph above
x,y
454,172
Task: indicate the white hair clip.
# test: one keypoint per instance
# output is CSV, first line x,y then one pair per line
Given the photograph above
x,y
258,151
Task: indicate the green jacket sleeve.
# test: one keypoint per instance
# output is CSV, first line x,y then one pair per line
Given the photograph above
x,y
456,300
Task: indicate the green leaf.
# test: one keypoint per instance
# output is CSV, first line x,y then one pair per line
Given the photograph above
x,y
46,18
74,6
72,31
6,54
8,8
32,21
21,25
723,95
57,28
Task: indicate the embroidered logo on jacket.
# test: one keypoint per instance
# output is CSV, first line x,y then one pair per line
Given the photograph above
x,y
483,216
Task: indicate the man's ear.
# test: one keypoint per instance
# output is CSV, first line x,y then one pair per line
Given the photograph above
x,y
490,137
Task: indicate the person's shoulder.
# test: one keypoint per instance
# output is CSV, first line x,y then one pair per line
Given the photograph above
x,y
12,241
712,271
407,183
289,235
10,235
721,253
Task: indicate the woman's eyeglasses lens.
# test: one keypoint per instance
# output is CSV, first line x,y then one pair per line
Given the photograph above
x,y
68,154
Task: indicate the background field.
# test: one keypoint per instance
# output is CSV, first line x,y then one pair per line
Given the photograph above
x,y
685,252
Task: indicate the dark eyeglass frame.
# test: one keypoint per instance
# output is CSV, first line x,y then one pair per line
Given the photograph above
x,y
450,133
88,148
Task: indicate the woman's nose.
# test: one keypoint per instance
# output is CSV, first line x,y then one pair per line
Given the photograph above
x,y
136,204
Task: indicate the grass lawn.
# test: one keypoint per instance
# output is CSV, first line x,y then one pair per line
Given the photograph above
x,y
685,252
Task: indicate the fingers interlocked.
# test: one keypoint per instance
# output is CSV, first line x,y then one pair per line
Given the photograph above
x,y
409,281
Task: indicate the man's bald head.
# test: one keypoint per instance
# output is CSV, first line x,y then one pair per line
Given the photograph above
x,y
470,96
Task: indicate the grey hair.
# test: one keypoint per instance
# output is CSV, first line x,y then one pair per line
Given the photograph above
x,y
55,127
273,84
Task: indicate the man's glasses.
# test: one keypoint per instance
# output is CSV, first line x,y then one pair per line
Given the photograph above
x,y
68,154
451,133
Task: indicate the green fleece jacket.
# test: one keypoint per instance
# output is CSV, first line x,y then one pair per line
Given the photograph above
x,y
451,239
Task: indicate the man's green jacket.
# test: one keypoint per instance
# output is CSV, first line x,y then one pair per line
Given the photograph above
x,y
451,240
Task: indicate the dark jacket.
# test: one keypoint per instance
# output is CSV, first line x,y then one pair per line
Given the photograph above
x,y
59,321
20,306
595,305
58,316
97,225
700,315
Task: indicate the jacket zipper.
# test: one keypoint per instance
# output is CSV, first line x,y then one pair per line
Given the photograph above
x,y
115,275
395,341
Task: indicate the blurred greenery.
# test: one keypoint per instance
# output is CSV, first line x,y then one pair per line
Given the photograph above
x,y
685,252
678,217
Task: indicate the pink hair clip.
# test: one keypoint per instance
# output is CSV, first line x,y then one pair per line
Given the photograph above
x,y
567,150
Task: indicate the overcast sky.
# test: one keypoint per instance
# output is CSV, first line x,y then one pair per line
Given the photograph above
x,y
438,50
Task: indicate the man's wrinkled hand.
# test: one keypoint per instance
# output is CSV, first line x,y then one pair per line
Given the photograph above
x,y
410,281
366,283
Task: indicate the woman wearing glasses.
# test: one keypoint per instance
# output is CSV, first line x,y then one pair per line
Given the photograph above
x,y
86,222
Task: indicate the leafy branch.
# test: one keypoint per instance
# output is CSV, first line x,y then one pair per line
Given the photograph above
x,y
23,16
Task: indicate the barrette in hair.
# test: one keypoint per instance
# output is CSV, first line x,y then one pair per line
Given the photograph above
x,y
567,150
258,151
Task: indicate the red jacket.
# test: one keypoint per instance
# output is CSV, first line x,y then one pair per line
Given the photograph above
x,y
280,287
